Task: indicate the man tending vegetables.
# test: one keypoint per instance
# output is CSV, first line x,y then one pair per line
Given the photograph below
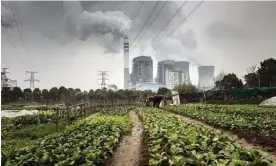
x,y
156,100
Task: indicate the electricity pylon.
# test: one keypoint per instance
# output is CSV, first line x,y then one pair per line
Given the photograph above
x,y
32,80
103,78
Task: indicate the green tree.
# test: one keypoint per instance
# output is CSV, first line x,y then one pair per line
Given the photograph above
x,y
27,93
91,94
62,93
164,91
45,94
53,93
229,82
16,93
267,72
5,94
110,94
36,94
70,98
251,80
183,88
85,95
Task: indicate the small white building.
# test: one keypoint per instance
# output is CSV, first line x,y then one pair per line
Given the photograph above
x,y
171,79
174,77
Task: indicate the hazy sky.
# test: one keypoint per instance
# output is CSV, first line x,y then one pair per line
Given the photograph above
x,y
68,42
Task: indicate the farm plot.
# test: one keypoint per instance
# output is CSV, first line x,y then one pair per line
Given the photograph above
x,y
86,142
174,141
9,125
256,124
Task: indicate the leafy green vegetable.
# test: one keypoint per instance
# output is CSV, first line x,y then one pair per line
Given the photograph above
x,y
174,141
89,142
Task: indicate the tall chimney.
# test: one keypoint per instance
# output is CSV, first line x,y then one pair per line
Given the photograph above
x,y
126,62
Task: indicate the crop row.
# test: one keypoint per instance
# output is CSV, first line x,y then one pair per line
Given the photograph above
x,y
260,124
86,142
174,141
247,110
120,111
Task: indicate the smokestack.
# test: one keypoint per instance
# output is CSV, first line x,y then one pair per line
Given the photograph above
x,y
126,62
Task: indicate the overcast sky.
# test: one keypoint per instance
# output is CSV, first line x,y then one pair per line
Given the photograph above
x,y
68,42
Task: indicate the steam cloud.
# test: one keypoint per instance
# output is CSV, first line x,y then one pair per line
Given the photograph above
x,y
107,26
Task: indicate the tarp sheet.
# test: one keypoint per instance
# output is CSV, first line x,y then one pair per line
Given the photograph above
x,y
15,113
270,101
249,92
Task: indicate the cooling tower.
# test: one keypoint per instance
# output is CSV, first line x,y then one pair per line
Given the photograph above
x,y
182,66
142,70
126,62
206,77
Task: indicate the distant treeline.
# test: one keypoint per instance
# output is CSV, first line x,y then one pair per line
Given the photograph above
x,y
63,94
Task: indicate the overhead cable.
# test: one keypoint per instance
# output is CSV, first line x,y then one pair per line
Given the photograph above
x,y
153,20
184,20
145,23
169,21
18,29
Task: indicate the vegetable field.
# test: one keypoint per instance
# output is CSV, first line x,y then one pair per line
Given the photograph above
x,y
86,142
255,123
174,141
142,137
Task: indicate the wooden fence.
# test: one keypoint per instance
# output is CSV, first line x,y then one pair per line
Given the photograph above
x,y
88,108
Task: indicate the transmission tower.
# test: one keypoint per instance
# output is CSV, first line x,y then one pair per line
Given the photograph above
x,y
4,78
32,80
103,78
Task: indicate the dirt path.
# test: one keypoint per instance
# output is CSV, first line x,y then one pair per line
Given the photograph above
x,y
128,152
241,142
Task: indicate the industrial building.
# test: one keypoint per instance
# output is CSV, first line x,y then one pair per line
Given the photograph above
x,y
142,70
161,68
147,86
180,66
175,77
206,77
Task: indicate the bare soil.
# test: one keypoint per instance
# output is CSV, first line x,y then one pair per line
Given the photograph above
x,y
240,138
128,153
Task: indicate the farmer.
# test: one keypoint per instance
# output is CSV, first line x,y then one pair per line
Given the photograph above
x,y
156,100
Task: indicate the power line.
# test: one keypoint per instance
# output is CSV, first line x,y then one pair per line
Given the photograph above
x,y
18,29
185,18
153,20
7,35
145,22
168,22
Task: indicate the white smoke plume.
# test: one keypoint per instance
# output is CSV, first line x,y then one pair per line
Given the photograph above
x,y
107,26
